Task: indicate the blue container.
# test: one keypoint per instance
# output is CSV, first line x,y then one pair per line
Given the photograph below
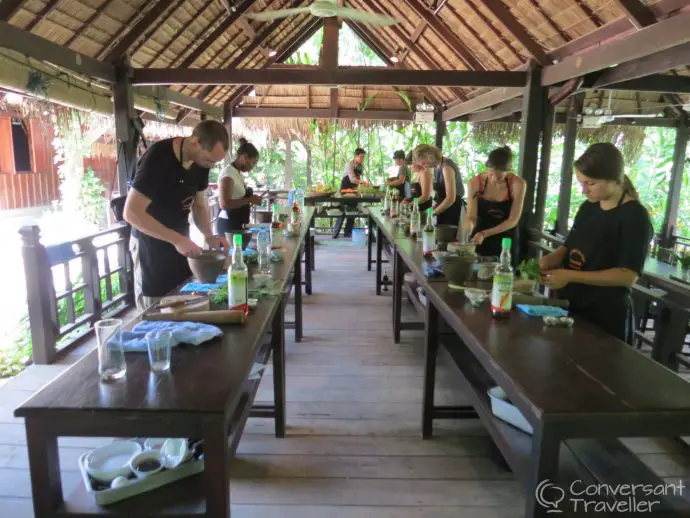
x,y
358,236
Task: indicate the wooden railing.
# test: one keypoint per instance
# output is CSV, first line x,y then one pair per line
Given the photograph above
x,y
96,282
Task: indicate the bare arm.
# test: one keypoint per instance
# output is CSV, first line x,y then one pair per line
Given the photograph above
x,y
135,214
518,194
611,277
471,215
553,260
449,180
427,186
225,195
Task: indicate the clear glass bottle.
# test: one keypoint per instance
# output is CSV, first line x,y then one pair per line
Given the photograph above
x,y
429,233
276,228
415,220
502,291
238,278
386,201
394,209
264,250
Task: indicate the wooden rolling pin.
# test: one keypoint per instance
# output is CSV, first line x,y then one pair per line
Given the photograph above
x,y
519,298
207,317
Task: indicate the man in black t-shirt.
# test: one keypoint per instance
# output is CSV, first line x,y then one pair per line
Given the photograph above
x,y
169,183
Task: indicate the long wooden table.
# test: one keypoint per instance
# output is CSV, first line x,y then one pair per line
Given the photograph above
x,y
570,384
207,394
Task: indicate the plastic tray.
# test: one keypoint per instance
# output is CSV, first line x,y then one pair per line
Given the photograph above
x,y
138,486
504,410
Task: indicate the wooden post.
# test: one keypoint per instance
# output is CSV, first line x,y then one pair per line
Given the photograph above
x,y
570,139
440,130
679,152
40,295
227,121
544,162
123,102
534,101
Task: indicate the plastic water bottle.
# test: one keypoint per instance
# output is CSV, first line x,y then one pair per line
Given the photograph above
x,y
264,246
238,278
502,292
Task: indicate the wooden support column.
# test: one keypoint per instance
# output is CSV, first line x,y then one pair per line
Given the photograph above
x,y
544,162
440,129
679,153
534,101
570,139
123,104
227,121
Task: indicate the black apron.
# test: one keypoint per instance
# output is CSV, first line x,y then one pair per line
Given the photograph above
x,y
450,216
416,192
609,308
489,214
346,183
404,188
237,218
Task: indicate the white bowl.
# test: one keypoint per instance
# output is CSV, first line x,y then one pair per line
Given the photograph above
x,y
154,443
476,297
109,462
137,460
173,453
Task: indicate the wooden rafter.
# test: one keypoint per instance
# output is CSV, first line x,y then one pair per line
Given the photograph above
x,y
322,113
217,33
491,27
446,35
47,9
639,13
480,40
655,38
480,102
589,13
8,8
535,4
152,30
111,54
87,23
503,14
180,32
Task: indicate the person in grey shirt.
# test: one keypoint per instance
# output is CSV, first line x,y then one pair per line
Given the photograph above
x,y
404,173
351,179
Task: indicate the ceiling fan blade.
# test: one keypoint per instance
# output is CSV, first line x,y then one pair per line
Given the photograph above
x,y
280,13
364,17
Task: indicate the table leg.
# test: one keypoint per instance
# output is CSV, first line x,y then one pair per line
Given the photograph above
x,y
298,299
216,469
545,454
398,277
379,258
44,465
370,240
307,264
278,345
430,352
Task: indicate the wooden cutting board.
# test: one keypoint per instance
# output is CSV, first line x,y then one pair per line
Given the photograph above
x,y
204,305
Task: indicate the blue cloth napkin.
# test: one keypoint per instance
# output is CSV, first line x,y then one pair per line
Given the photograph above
x,y
432,268
193,333
199,287
542,311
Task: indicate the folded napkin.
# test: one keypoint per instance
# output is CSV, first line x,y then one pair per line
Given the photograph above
x,y
432,268
542,311
193,333
199,287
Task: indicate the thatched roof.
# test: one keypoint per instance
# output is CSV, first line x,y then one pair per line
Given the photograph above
x,y
193,33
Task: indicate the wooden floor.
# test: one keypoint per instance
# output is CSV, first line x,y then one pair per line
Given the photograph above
x,y
353,447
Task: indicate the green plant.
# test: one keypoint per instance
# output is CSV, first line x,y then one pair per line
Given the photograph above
x,y
684,260
529,269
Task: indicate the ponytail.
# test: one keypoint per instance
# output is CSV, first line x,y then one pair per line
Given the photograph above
x,y
247,148
629,188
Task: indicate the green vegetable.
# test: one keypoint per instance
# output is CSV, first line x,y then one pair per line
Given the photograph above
x,y
530,269
220,296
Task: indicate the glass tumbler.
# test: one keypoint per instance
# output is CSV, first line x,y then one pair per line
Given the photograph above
x,y
111,356
159,344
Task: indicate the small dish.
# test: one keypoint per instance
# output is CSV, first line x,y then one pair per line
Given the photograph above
x,y
173,453
109,462
146,463
559,321
476,297
154,443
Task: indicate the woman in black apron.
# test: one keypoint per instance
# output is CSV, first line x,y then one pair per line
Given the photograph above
x,y
449,192
495,205
234,197
605,251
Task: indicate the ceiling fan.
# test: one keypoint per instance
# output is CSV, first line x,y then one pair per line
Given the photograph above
x,y
327,9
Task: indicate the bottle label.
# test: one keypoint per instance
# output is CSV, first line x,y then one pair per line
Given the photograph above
x,y
237,294
502,293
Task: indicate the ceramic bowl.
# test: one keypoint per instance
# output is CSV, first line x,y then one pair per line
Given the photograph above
x,y
476,297
486,271
154,443
109,462
146,463
457,270
446,233
173,453
524,286
207,266
461,248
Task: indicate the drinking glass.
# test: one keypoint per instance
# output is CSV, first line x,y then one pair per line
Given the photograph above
x,y
264,250
111,356
159,344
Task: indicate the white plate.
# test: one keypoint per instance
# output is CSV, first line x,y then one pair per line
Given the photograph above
x,y
111,461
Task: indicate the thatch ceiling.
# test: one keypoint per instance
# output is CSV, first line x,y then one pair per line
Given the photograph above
x,y
181,33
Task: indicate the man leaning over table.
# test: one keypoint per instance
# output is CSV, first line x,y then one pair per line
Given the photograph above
x,y
169,183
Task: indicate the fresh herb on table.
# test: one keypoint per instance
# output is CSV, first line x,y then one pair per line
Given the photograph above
x,y
220,296
530,269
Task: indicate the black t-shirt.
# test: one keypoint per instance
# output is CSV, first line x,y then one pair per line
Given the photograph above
x,y
603,239
170,187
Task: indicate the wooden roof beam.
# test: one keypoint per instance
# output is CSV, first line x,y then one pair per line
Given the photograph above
x,y
322,113
640,15
50,5
661,83
158,8
8,8
498,112
446,35
502,13
152,30
217,33
29,44
655,38
480,102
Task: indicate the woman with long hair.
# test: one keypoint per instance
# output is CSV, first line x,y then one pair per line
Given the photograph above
x,y
235,198
605,251
495,201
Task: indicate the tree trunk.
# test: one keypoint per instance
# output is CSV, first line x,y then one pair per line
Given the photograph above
x,y
288,164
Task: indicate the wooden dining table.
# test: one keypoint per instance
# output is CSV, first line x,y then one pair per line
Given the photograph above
x,y
207,394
